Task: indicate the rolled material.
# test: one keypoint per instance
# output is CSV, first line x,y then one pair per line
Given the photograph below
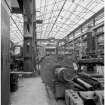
x,y
83,83
81,88
91,81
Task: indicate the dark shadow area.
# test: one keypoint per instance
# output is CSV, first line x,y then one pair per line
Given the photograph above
x,y
89,102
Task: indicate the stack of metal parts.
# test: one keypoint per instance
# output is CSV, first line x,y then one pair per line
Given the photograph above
x,y
84,97
85,83
85,91
72,98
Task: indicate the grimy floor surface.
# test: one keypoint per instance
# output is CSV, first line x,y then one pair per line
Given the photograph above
x,y
32,91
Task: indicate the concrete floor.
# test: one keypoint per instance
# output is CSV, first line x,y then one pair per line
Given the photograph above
x,y
32,91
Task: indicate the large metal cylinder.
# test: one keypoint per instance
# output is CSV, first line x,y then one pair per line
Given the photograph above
x,y
64,74
83,83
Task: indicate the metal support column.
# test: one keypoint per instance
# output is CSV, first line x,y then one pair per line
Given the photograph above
x,y
28,36
73,46
34,33
5,52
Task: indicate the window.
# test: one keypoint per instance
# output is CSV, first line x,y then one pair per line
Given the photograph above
x,y
99,18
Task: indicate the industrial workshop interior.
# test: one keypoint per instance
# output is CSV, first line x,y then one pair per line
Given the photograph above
x,y
52,52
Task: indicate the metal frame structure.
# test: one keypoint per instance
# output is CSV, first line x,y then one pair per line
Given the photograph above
x,y
73,41
81,27
61,17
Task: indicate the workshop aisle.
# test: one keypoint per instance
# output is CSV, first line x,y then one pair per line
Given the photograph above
x,y
31,92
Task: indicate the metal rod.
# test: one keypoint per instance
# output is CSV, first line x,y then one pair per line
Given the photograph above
x,y
34,34
57,16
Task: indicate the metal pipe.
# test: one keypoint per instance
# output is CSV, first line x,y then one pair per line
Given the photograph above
x,y
83,83
34,33
78,86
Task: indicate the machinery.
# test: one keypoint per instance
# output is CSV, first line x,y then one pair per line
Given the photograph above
x,y
88,89
84,98
79,81
57,73
93,67
16,65
65,81
13,82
